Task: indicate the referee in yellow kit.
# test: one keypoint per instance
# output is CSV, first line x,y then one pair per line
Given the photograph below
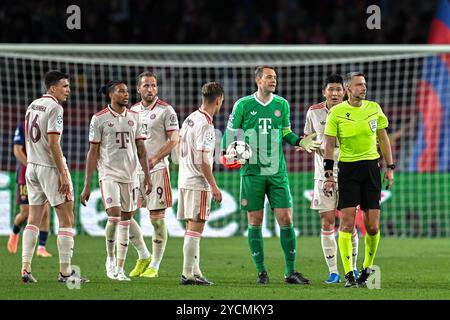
x,y
357,123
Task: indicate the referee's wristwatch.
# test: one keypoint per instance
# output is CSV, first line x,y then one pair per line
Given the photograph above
x,y
328,174
391,166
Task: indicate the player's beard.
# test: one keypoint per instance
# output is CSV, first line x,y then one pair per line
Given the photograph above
x,y
150,101
123,104
359,96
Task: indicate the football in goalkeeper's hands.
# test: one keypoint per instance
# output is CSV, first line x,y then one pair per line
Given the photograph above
x,y
238,151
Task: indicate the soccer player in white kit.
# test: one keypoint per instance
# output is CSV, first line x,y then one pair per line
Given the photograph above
x,y
47,175
196,182
116,145
333,91
160,127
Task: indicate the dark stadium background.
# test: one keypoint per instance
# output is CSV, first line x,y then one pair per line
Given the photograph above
x,y
216,22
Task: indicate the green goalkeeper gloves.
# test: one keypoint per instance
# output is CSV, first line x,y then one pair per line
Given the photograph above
x,y
309,144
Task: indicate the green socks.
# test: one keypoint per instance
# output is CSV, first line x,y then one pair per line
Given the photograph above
x,y
371,244
255,243
288,241
345,249
289,244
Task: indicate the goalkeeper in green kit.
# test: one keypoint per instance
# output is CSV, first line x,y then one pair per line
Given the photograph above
x,y
262,121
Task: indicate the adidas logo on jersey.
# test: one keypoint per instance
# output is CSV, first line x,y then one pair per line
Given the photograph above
x,y
253,113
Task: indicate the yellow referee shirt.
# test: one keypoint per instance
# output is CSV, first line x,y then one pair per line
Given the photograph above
x,y
356,129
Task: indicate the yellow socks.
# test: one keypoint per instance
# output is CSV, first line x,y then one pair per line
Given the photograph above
x,y
345,249
371,247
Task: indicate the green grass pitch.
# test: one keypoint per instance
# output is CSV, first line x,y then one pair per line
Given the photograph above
x,y
410,269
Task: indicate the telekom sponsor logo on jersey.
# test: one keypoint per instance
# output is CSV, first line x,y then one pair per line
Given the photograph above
x,y
265,124
122,138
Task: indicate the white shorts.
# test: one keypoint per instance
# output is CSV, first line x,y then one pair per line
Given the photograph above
x,y
193,205
161,196
43,184
117,194
320,201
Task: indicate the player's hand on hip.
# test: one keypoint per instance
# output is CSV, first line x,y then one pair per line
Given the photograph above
x,y
329,186
389,175
147,184
309,144
85,194
216,194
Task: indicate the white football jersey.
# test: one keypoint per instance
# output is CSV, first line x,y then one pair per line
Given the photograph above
x,y
196,136
157,120
315,122
44,116
117,134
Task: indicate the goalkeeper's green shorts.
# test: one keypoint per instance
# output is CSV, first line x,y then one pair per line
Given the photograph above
x,y
254,189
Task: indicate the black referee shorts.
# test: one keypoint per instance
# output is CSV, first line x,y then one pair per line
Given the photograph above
x,y
359,184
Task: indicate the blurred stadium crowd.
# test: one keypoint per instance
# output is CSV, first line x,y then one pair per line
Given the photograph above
x,y
216,22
